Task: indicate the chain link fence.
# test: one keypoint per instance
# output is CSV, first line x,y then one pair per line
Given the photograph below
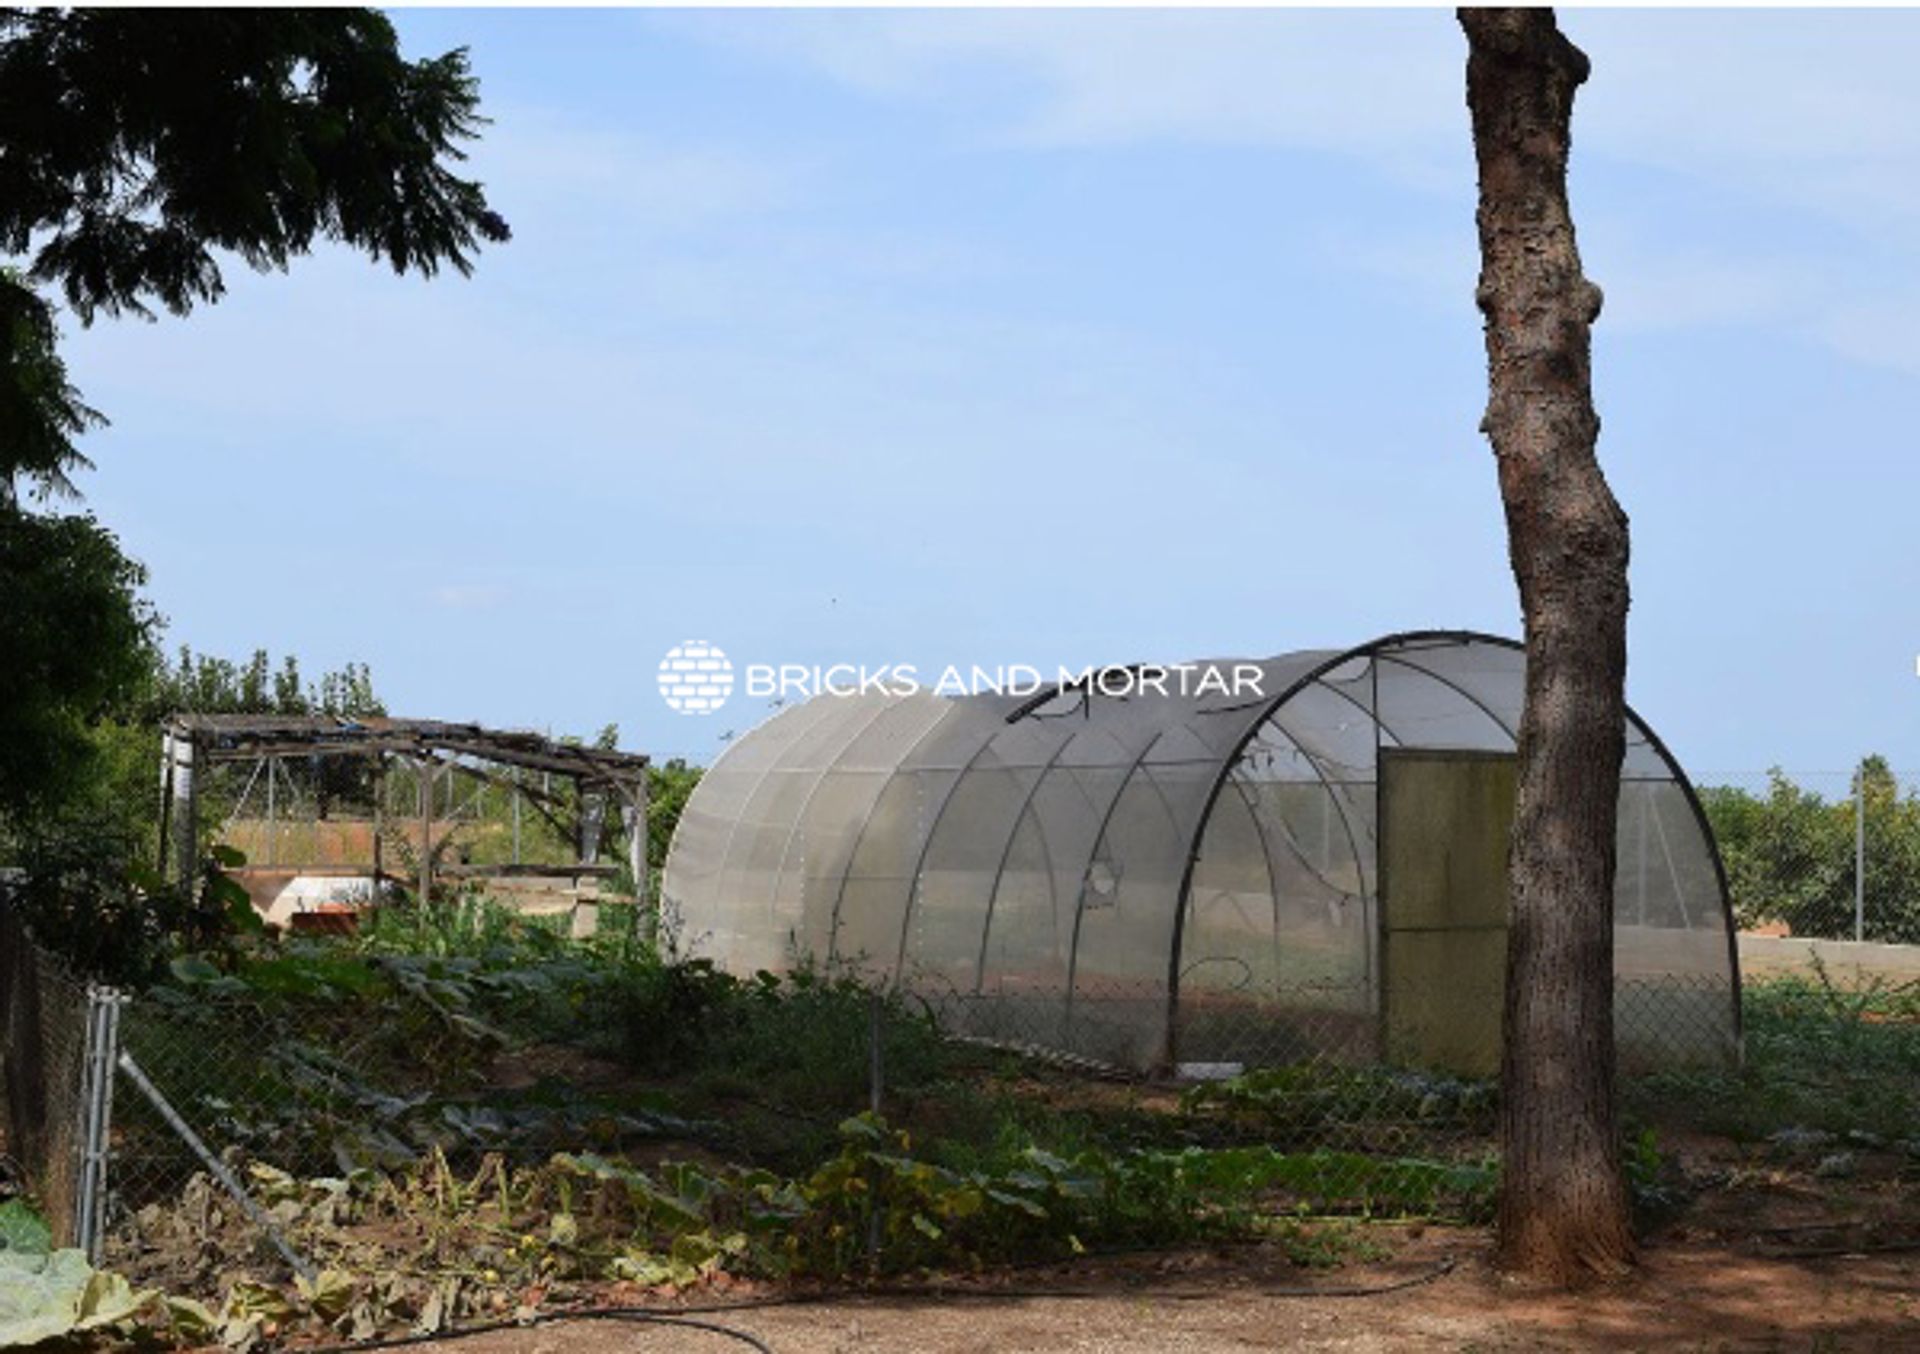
x,y
55,1100
1826,855
1659,1022
1373,1106
331,1061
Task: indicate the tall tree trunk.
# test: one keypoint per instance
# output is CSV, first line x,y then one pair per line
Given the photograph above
x,y
1563,1204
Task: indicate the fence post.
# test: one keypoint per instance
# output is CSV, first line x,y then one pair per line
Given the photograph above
x,y
96,1123
215,1167
876,1097
1860,854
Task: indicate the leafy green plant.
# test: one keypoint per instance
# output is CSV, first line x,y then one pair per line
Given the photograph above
x,y
87,897
1657,1190
1315,1094
49,1296
1817,1059
878,1205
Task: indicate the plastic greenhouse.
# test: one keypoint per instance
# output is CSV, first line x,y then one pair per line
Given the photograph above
x,y
1151,880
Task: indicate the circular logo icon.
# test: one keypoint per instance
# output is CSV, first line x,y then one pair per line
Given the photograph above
x,y
695,677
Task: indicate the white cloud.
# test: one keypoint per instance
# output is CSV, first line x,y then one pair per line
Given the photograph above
x,y
1790,140
1383,85
1818,110
1814,108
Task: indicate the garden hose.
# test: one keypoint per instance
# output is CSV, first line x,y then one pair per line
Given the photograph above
x,y
689,1316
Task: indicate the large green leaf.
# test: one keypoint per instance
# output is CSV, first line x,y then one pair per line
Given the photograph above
x,y
22,1230
43,1297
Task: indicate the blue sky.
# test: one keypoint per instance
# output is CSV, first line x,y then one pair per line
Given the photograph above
x,y
1057,337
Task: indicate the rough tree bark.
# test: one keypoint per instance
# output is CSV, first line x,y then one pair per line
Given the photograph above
x,y
1563,1212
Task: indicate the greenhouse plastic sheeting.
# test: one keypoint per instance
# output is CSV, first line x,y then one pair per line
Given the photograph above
x,y
1150,878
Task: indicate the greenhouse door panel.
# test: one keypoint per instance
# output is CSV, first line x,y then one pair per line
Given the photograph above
x,y
1445,817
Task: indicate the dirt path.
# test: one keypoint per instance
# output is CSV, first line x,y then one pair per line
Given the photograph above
x,y
1691,1296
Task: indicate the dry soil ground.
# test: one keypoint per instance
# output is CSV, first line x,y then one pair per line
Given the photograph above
x,y
1690,1296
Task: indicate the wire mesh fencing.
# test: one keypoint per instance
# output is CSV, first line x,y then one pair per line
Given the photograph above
x,y
329,1084
1117,1029
327,1061
55,1037
323,1086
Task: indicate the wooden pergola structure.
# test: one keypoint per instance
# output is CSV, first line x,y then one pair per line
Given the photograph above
x,y
603,778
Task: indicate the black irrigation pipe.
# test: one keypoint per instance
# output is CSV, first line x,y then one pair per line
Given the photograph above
x,y
687,1316
1831,1252
645,1316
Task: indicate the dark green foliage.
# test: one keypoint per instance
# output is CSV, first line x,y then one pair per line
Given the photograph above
x,y
1790,856
134,144
76,636
874,1205
114,924
95,761
668,787
207,685
147,138
1283,1101
40,410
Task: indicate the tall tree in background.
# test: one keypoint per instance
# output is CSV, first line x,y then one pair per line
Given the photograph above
x,y
1563,1212
136,148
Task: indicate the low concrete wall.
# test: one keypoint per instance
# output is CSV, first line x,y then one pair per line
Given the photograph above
x,y
1845,960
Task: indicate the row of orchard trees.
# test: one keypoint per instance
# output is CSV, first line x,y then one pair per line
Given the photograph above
x,y
1790,855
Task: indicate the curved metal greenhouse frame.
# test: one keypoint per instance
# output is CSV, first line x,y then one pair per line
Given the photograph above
x,y
1150,877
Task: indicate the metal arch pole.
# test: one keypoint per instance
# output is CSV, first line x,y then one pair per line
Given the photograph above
x,y
1339,808
806,802
1080,902
1439,638
1272,708
1373,917
926,842
1458,690
1266,855
1705,826
1379,725
1173,819
1673,871
866,820
733,828
1006,854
